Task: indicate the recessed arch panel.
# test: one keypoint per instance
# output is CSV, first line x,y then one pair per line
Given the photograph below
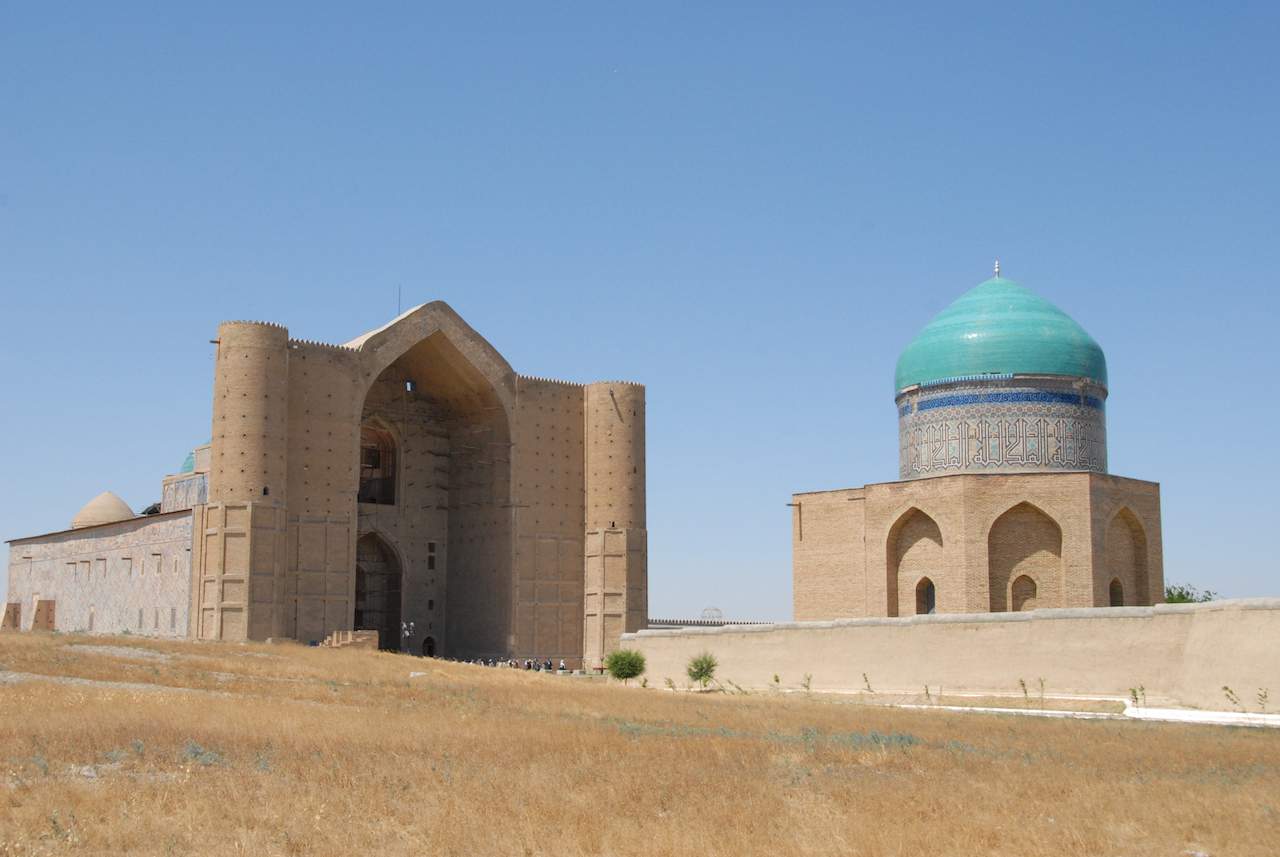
x,y
1024,542
1126,558
914,551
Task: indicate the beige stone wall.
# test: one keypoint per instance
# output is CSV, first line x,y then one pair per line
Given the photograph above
x,y
974,536
132,576
1180,653
549,516
828,556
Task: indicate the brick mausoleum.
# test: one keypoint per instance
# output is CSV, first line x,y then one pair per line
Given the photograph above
x,y
408,482
1004,502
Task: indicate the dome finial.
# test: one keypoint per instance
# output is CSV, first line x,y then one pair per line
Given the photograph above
x,y
997,267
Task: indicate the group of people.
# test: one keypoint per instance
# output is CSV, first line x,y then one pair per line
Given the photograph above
x,y
545,666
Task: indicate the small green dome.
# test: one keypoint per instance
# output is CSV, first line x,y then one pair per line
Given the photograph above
x,y
189,464
1000,328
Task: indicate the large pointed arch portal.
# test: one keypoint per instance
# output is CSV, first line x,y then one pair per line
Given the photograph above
x,y
436,476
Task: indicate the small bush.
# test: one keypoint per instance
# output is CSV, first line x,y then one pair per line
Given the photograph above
x,y
702,668
624,664
1185,593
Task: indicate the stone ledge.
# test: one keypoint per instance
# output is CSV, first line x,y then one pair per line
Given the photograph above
x,y
977,618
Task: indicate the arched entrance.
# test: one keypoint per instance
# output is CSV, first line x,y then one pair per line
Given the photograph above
x,y
914,551
1115,593
1024,542
926,597
429,647
435,476
378,585
1022,594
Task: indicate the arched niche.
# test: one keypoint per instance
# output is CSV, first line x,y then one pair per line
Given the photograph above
x,y
914,551
1126,558
1024,542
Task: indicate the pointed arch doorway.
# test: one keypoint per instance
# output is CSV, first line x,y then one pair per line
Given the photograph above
x,y
378,586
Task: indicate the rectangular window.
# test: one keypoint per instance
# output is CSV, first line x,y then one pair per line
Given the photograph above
x,y
156,560
139,618
431,562
101,564
155,620
127,564
173,618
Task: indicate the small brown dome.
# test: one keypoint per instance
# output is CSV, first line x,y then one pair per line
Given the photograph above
x,y
106,508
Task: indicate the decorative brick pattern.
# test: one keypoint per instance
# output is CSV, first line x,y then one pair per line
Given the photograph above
x,y
1005,424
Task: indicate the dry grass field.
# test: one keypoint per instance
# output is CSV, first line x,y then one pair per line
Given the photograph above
x,y
141,747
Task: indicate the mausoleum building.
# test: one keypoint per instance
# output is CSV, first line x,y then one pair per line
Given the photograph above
x,y
1004,501
408,482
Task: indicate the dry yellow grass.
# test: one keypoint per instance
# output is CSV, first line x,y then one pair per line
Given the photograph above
x,y
287,750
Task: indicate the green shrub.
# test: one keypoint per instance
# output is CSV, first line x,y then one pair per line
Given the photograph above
x,y
625,664
702,668
1185,593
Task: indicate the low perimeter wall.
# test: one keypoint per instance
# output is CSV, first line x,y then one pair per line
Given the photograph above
x,y
1180,653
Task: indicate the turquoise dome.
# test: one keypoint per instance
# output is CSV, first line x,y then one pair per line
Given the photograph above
x,y
1000,328
189,464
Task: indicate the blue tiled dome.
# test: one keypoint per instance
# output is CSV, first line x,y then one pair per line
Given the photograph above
x,y
1000,328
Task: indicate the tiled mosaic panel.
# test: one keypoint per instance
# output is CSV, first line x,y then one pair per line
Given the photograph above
x,y
980,429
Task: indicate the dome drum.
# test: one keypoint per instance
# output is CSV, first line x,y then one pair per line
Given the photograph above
x,y
1005,424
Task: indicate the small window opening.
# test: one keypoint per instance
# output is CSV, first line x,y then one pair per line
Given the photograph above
x,y
926,597
1117,593
377,467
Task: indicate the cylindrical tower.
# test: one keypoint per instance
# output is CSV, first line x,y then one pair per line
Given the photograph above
x,y
615,497
239,547
250,414
1001,381
616,578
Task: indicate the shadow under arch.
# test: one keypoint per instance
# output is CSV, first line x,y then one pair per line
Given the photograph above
x,y
1125,549
379,588
1024,541
913,549
449,398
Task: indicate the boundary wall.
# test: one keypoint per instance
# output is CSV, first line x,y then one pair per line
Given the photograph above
x,y
1179,653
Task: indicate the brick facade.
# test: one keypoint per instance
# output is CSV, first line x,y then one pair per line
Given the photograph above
x,y
1067,536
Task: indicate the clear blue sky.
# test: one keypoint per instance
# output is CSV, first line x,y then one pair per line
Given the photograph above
x,y
749,208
